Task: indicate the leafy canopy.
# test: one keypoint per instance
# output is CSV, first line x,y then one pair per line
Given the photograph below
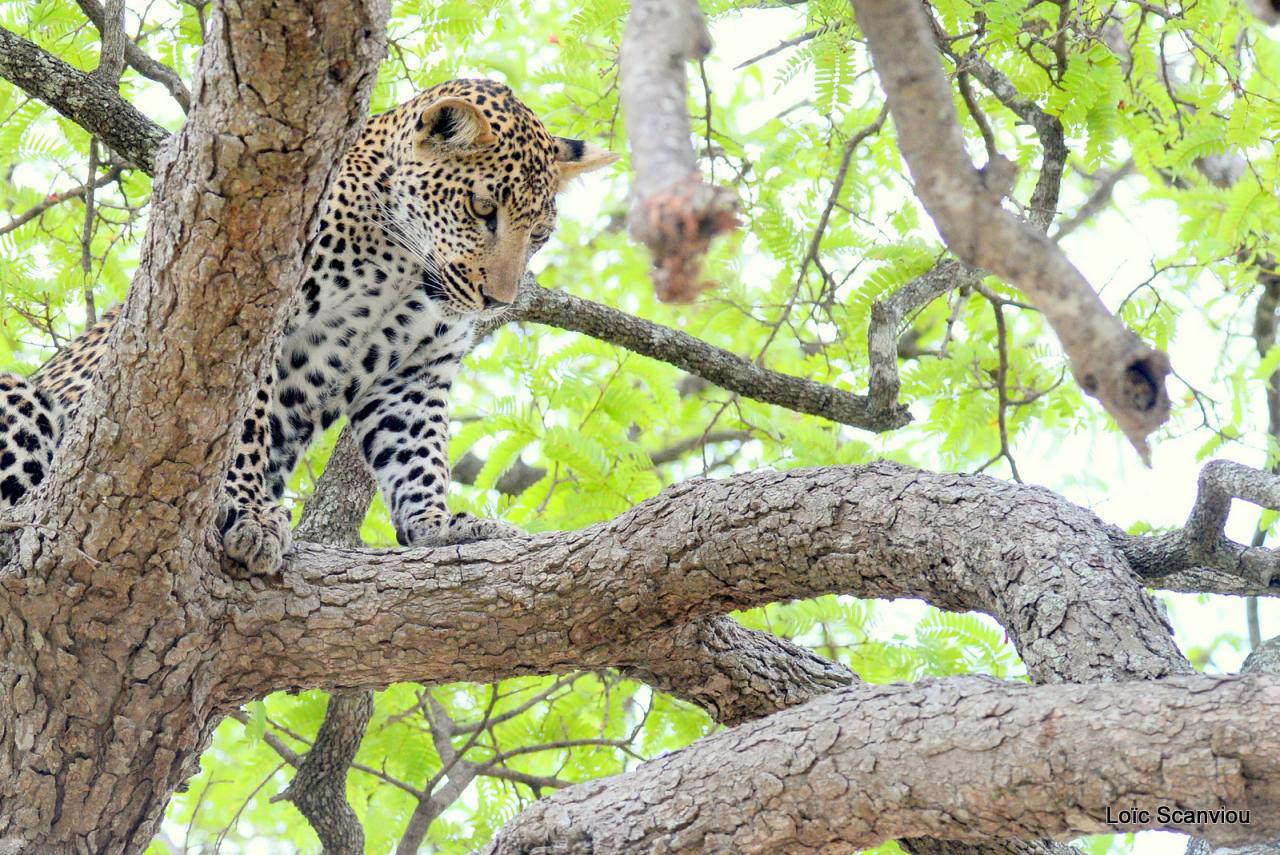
x,y
1162,96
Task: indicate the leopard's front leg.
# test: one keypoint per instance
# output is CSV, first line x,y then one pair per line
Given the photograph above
x,y
403,428
256,529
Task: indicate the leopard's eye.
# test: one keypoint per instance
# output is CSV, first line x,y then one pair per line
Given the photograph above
x,y
540,235
485,209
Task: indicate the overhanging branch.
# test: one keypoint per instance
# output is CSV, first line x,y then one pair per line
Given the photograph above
x,y
726,370
1108,361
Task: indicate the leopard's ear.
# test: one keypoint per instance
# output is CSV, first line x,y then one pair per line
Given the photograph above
x,y
454,123
574,157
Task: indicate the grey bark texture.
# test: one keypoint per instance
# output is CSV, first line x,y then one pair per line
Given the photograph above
x,y
1109,362
735,674
1265,659
86,99
966,758
1046,569
123,640
886,317
319,789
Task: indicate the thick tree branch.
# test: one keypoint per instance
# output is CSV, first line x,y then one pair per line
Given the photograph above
x,y
1265,659
733,673
236,202
319,789
935,846
335,512
1108,360
964,759
673,212
115,41
1046,569
85,99
118,567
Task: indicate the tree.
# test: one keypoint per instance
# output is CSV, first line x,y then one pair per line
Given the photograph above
x,y
546,663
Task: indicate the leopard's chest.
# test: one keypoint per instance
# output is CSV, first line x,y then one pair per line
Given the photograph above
x,y
362,324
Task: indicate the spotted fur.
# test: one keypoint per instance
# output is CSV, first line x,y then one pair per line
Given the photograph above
x,y
430,223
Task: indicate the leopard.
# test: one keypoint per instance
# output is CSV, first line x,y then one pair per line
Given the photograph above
x,y
429,225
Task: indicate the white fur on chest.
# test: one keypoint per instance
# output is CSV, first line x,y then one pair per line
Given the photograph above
x,y
364,334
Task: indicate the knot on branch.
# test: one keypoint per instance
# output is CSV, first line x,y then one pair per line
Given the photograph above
x,y
678,226
1267,10
1132,391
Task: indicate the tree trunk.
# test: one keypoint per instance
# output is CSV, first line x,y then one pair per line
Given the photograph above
x,y
110,607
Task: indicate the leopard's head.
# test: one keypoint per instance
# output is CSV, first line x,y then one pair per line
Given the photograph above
x,y
474,189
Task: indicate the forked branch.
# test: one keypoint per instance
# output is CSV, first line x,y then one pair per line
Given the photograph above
x,y
1200,545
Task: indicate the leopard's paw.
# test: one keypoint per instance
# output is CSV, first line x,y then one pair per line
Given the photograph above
x,y
445,530
256,537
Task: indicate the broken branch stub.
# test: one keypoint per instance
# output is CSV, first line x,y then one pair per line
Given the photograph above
x,y
673,211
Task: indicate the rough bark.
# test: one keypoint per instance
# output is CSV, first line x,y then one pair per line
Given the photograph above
x,y
1265,659
109,610
965,759
1046,569
319,789
87,100
734,673
1108,361
673,212
122,641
